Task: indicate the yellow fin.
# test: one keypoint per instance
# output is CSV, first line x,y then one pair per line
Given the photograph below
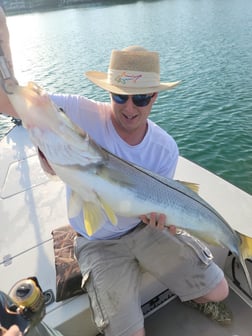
x,y
245,252
92,217
191,185
246,246
109,212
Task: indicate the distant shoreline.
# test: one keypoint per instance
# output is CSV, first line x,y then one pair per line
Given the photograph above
x,y
54,5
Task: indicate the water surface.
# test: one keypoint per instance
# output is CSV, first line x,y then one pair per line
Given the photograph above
x,y
206,44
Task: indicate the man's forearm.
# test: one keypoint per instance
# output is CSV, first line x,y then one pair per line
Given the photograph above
x,y
5,106
5,40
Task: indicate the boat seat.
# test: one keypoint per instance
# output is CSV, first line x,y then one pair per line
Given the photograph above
x,y
68,275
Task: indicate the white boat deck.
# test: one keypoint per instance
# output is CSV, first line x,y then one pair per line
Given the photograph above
x,y
32,205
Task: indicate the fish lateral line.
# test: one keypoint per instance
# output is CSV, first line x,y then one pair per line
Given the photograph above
x,y
193,194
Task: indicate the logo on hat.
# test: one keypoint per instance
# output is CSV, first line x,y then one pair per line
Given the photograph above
x,y
124,77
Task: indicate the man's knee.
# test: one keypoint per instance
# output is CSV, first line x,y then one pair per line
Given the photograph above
x,y
140,332
219,293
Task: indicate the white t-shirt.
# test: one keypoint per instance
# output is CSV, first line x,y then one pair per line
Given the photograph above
x,y
157,152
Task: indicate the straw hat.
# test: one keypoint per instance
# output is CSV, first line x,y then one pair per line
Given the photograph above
x,y
133,70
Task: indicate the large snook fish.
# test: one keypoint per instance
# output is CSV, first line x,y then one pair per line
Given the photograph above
x,y
103,182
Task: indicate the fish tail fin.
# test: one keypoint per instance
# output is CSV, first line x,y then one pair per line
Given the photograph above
x,y
247,275
246,246
245,252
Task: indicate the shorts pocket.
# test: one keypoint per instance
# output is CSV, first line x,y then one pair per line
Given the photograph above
x,y
98,312
201,250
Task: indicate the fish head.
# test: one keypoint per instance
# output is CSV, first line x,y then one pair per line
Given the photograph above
x,y
33,106
58,138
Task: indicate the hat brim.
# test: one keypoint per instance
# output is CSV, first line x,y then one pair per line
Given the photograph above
x,y
100,79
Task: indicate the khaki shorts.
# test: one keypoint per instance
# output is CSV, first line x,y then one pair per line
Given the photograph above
x,y
112,272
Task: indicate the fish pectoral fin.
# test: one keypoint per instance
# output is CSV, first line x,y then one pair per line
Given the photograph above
x,y
92,217
109,211
74,205
191,185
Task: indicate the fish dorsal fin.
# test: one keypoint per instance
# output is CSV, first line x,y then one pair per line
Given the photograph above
x,y
109,211
92,217
191,185
74,204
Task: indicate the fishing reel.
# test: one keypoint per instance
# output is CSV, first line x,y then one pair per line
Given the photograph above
x,y
24,306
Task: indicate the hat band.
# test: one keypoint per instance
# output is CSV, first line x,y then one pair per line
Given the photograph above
x,y
129,78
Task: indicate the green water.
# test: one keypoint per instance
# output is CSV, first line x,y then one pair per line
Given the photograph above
x,y
207,44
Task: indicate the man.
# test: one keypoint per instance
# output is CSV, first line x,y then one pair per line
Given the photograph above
x,y
112,259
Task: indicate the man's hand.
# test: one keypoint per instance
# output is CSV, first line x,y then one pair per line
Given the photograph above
x,y
12,331
157,221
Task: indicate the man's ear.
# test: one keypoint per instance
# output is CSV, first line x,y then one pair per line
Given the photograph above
x,y
155,96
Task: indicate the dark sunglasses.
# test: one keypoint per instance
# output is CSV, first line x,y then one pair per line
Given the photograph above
x,y
139,100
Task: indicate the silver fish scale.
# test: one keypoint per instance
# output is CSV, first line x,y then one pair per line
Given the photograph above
x,y
159,190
